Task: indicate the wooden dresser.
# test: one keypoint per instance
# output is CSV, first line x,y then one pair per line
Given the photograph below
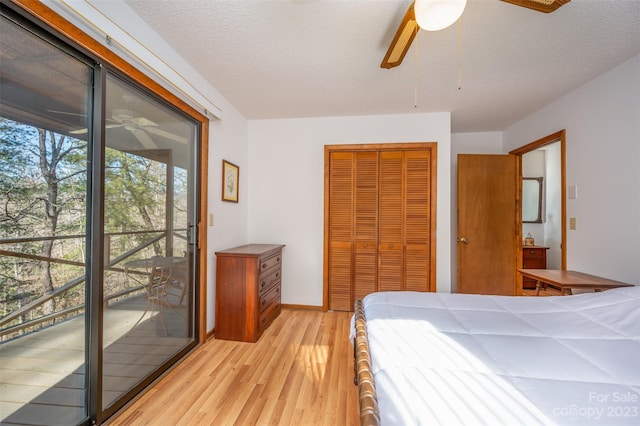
x,y
247,290
533,257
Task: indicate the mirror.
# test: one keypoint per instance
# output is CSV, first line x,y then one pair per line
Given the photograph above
x,y
532,200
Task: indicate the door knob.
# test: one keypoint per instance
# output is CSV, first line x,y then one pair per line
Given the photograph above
x,y
463,240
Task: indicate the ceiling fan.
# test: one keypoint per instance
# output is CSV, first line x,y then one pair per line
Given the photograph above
x,y
422,11
139,126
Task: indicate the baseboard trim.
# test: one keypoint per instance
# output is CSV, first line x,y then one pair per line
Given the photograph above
x,y
211,333
302,307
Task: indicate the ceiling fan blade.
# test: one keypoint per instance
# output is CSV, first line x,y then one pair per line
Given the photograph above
x,y
142,122
144,138
402,40
85,130
545,6
166,134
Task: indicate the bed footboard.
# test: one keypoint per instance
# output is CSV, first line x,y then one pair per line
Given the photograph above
x,y
369,415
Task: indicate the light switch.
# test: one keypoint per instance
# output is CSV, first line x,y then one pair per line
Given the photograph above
x,y
572,192
572,223
210,219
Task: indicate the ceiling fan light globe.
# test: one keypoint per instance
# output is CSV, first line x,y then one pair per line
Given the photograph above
x,y
436,15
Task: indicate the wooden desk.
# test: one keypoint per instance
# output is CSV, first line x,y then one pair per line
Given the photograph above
x,y
566,280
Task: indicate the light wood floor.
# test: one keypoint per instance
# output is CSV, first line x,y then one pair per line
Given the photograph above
x,y
300,372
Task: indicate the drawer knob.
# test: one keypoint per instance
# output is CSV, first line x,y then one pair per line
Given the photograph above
x,y
263,302
262,284
278,259
278,290
277,274
264,265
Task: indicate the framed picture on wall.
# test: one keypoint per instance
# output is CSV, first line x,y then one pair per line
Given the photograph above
x,y
230,178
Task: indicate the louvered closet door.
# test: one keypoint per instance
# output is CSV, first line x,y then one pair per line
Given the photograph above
x,y
390,231
366,224
341,197
417,221
405,221
379,223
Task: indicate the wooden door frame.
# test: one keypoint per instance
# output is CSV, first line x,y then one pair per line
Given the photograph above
x,y
559,136
328,150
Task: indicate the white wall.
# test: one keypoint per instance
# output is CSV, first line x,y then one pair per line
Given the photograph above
x,y
602,119
228,140
553,206
533,165
286,188
466,143
545,162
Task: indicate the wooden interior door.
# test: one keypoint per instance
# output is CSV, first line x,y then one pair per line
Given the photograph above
x,y
488,244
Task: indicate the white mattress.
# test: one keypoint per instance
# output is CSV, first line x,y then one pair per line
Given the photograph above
x,y
469,359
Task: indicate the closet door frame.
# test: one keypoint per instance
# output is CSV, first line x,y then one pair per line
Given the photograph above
x,y
413,146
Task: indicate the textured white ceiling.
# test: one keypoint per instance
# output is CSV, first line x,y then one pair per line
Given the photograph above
x,y
304,58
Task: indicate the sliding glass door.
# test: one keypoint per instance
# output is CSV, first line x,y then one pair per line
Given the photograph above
x,y
44,91
98,206
148,211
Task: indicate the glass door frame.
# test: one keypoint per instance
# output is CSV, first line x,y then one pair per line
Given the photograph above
x,y
106,61
97,348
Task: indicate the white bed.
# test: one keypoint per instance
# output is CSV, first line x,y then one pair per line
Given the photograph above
x,y
469,359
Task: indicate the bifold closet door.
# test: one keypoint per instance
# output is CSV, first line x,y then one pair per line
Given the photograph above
x,y
417,221
365,235
352,227
391,226
341,196
404,225
379,223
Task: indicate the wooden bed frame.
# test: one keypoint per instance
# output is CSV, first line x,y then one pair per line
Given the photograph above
x,y
369,415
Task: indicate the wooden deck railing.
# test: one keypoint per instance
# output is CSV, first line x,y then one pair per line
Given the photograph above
x,y
110,264
27,324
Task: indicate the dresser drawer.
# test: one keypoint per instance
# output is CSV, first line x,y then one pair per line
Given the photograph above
x,y
270,298
267,317
531,253
534,263
533,258
267,280
270,262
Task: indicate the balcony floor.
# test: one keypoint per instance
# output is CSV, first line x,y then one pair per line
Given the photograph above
x,y
42,374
